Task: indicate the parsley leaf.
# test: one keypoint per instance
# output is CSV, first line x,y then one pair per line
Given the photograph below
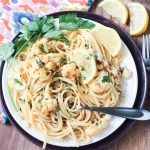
x,y
105,79
70,26
45,28
84,78
39,63
47,73
63,59
6,50
20,44
82,68
72,22
32,26
18,82
54,34
87,46
40,27
42,48
57,35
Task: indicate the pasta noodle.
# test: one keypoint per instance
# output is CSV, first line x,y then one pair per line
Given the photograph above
x,y
47,87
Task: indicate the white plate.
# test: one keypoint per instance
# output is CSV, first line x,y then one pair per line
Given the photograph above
x,y
129,90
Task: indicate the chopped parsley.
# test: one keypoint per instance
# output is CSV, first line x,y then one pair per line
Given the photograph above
x,y
47,73
69,87
87,46
96,57
39,63
40,101
82,68
42,48
63,59
92,121
84,78
89,57
18,82
66,41
105,79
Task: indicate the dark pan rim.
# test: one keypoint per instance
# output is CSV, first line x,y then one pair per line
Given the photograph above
x,y
140,98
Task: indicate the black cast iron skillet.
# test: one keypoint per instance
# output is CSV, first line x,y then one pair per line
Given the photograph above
x,y
140,98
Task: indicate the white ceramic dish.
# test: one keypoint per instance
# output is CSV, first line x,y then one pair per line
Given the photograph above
x,y
129,90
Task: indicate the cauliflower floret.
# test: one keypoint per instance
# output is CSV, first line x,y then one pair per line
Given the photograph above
x,y
101,83
126,73
70,71
92,130
48,105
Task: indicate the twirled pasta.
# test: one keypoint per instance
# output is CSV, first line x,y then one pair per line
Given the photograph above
x,y
47,88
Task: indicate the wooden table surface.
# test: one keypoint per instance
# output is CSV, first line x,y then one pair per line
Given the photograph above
x,y
137,138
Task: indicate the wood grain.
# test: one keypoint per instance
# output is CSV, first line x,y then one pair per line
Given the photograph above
x,y
137,138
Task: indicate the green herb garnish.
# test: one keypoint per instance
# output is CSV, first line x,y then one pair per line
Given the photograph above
x,y
66,41
84,78
63,59
57,35
39,63
42,48
89,57
92,121
82,68
96,57
40,101
39,26
69,87
47,73
18,82
72,22
87,46
6,50
43,27
105,79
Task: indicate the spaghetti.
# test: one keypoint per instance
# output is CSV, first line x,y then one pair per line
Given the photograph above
x,y
47,87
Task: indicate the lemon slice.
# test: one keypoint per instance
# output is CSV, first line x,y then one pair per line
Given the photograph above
x,y
107,37
85,60
116,9
138,19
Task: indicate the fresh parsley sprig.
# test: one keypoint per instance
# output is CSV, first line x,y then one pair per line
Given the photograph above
x,y
72,22
38,27
43,27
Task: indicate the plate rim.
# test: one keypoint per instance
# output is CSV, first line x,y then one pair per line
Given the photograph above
x,y
139,101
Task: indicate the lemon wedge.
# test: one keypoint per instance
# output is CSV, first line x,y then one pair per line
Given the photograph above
x,y
85,60
138,18
107,37
116,9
